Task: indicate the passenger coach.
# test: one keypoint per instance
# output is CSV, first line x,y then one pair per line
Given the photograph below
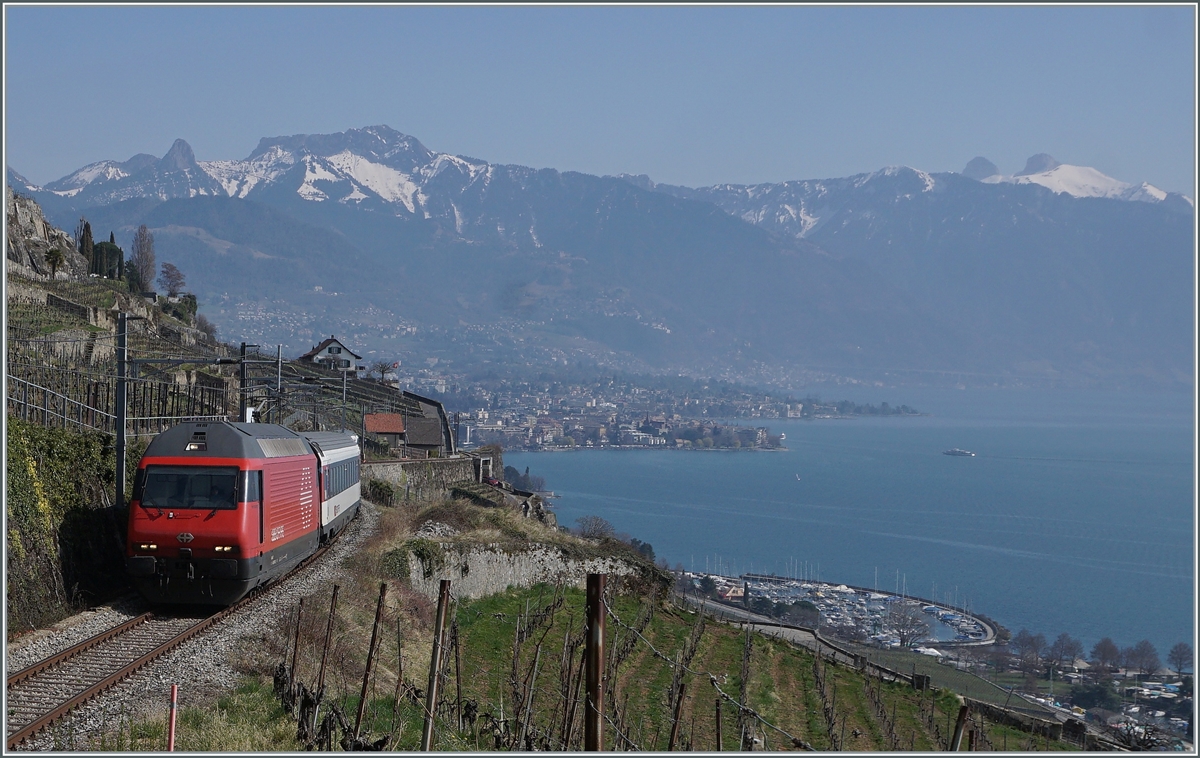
x,y
220,509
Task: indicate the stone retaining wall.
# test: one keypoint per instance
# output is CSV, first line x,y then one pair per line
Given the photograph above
x,y
1023,721
428,479
487,569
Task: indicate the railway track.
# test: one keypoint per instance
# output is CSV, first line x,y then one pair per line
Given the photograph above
x,y
45,692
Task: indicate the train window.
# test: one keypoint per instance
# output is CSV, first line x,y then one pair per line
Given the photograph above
x,y
202,487
139,484
249,490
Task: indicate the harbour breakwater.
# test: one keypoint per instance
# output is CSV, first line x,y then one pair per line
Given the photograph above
x,y
860,610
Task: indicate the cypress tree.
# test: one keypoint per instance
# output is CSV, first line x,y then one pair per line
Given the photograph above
x,y
110,260
85,247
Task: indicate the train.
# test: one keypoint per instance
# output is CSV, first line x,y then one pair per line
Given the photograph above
x,y
221,509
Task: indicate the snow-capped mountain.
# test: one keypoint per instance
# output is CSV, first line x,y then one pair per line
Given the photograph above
x,y
375,168
1079,181
1050,272
801,208
379,168
176,174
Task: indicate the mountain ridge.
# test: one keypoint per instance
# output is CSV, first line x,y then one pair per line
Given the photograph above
x,y
897,270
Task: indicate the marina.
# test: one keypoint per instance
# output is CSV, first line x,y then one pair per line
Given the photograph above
x,y
857,614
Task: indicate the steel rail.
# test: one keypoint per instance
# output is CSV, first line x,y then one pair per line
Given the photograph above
x,y
74,650
37,725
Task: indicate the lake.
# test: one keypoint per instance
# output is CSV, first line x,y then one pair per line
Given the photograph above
x,y
1076,515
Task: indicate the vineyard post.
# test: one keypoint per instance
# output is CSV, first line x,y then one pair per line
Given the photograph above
x,y
457,676
435,666
675,721
296,644
399,672
593,725
362,700
328,636
719,748
956,740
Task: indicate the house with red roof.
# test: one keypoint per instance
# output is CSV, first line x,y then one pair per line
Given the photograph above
x,y
334,355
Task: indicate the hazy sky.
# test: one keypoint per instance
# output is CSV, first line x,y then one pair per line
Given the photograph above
x,y
688,95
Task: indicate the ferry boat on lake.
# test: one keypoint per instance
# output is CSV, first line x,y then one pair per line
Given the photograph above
x,y
956,451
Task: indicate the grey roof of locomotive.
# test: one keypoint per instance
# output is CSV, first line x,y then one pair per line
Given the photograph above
x,y
227,439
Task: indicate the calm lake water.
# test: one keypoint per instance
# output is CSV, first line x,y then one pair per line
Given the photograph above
x,y
1077,513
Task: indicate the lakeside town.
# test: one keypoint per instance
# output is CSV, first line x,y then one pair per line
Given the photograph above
x,y
589,408
1128,690
627,411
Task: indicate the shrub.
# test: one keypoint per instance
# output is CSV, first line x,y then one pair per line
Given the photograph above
x,y
64,546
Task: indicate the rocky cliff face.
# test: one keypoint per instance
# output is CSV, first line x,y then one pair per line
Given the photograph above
x,y
30,237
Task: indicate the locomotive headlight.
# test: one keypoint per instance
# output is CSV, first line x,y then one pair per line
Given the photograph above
x,y
147,546
224,548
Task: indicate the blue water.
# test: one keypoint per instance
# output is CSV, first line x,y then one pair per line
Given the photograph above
x,y
1077,515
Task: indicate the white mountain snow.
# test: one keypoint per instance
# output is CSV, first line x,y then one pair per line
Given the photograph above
x,y
1084,181
101,171
239,177
384,168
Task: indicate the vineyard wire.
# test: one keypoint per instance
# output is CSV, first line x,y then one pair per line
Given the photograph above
x,y
712,679
620,734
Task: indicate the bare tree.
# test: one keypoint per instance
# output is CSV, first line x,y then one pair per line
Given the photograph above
x,y
206,326
1143,656
382,368
141,260
1106,653
1180,657
1065,649
1029,648
907,622
594,527
1139,737
171,279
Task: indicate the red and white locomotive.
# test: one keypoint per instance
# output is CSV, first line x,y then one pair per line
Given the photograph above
x,y
220,508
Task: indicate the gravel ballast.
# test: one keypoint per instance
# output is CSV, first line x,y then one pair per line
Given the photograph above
x,y
202,666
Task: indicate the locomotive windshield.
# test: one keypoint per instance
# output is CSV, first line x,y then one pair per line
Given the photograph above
x,y
203,487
